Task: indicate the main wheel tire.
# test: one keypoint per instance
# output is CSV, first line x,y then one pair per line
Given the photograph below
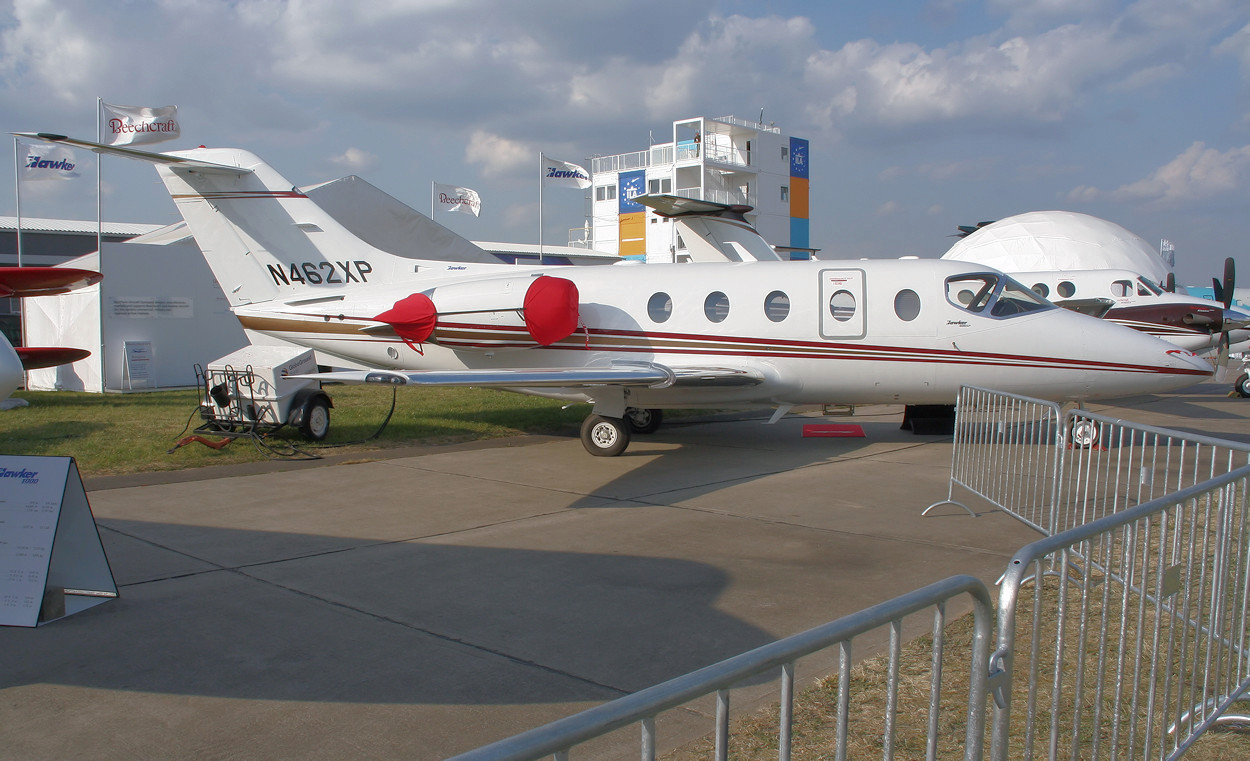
x,y
605,436
642,420
1084,434
1242,385
316,423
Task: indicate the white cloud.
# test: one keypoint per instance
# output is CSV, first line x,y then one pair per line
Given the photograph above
x,y
355,160
1197,174
888,208
498,155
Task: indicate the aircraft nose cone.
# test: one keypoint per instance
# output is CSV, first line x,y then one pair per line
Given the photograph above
x,y
1235,320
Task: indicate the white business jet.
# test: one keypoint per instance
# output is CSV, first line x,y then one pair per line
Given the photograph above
x,y
633,340
20,282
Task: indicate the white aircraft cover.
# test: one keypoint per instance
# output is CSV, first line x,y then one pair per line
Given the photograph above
x,y
1058,240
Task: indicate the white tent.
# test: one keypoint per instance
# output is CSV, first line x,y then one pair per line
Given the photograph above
x,y
156,314
1058,240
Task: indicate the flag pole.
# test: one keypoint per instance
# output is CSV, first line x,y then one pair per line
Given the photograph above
x,y
540,207
99,182
431,199
99,244
17,192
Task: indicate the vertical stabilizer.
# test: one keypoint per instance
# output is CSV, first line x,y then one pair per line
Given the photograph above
x,y
263,238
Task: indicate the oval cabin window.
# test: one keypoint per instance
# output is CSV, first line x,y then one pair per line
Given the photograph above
x,y
660,307
777,306
716,306
842,305
907,305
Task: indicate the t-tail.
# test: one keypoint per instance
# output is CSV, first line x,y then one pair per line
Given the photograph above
x,y
263,238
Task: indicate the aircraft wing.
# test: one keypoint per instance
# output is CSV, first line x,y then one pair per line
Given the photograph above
x,y
1095,307
37,357
641,374
44,281
171,160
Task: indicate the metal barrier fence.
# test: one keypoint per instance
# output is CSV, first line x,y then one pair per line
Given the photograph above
x,y
642,708
1054,471
1143,643
1008,449
1116,464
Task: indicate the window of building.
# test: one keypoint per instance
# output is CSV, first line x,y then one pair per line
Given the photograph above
x,y
716,306
777,306
907,304
785,153
605,193
785,193
660,185
660,307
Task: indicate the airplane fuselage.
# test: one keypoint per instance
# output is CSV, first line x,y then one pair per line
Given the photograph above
x,y
852,332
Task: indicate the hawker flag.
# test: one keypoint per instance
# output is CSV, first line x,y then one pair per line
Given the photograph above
x,y
453,198
133,125
564,174
49,162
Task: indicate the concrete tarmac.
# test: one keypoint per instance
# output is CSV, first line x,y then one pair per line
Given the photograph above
x,y
433,600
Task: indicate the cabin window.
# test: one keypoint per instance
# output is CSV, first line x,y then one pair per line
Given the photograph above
x,y
777,306
842,305
660,307
907,305
1002,296
1121,288
1041,289
1066,289
716,306
1014,299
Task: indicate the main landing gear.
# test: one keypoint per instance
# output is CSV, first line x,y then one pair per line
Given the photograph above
x,y
609,436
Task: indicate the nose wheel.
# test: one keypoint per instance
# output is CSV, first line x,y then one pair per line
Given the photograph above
x,y
605,436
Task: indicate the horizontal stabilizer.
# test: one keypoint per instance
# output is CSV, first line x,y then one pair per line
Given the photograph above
x,y
675,206
168,159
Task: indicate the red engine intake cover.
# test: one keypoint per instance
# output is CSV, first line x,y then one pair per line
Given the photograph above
x,y
551,309
413,318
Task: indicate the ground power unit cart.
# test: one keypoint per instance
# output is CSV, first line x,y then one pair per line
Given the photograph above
x,y
251,393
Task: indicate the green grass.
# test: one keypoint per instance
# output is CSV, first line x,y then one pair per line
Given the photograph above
x,y
110,434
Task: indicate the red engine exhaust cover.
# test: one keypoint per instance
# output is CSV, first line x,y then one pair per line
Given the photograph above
x,y
551,309
413,318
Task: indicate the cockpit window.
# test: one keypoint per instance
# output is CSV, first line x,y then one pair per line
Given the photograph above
x,y
993,294
1146,288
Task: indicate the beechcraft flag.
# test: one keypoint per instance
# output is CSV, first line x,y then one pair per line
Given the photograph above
x,y
132,125
564,174
44,161
452,198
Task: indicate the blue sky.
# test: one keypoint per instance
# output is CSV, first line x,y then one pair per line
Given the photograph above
x,y
922,115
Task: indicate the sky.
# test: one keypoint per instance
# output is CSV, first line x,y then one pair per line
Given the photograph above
x,y
921,115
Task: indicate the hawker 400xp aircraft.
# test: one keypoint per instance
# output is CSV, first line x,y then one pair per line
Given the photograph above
x,y
633,340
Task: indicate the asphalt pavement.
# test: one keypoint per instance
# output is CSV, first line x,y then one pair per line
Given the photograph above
x,y
418,603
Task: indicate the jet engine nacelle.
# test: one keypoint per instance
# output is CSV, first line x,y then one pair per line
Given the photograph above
x,y
506,313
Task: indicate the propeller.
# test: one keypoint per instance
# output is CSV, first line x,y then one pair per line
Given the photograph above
x,y
1223,292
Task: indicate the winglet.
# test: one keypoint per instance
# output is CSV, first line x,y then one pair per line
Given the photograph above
x,y
169,159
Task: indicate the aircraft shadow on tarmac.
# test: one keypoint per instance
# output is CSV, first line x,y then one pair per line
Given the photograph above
x,y
734,452
355,620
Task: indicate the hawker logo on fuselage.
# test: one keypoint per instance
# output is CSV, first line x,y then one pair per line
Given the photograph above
x,y
321,273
